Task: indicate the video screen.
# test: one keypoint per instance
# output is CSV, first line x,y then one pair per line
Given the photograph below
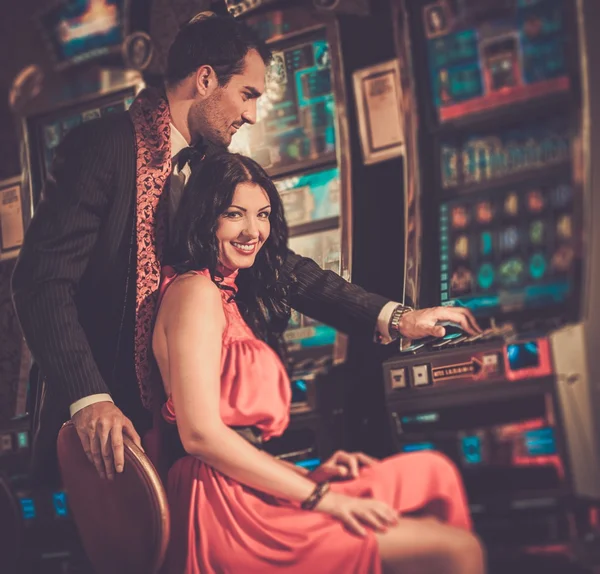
x,y
485,157
325,249
310,197
50,130
482,55
509,249
81,30
296,114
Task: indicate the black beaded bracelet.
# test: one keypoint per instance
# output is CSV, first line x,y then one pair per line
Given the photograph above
x,y
317,494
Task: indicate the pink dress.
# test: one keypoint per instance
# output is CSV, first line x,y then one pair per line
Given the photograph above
x,y
219,525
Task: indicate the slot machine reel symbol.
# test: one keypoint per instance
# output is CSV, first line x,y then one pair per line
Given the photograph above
x,y
535,201
461,281
511,272
486,276
564,227
508,239
562,195
536,232
562,259
537,266
484,212
461,247
486,243
511,204
459,217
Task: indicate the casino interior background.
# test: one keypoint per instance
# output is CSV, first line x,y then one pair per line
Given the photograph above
x,y
434,151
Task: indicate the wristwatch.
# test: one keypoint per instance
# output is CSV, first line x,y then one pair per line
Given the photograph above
x,y
397,314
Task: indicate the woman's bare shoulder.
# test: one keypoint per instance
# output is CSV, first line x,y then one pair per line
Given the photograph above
x,y
195,293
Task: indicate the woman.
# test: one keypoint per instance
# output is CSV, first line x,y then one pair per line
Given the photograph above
x,y
217,341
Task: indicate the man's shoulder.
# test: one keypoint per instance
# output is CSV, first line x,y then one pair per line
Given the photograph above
x,y
112,127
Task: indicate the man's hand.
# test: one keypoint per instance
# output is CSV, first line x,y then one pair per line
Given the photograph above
x,y
100,427
341,465
424,322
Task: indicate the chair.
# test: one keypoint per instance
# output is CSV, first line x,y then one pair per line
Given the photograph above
x,y
123,524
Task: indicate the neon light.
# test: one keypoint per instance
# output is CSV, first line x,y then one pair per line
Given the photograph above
x,y
417,446
28,508
309,463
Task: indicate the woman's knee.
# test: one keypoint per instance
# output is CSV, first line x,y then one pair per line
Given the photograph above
x,y
467,553
426,546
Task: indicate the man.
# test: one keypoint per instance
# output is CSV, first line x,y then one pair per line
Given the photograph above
x,y
85,283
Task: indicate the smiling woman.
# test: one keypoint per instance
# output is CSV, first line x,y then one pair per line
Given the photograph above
x,y
231,219
222,312
244,227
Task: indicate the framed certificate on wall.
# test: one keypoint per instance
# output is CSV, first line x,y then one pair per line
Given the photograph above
x,y
378,107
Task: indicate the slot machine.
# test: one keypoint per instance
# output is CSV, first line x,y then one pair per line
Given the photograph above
x,y
93,75
497,103
301,139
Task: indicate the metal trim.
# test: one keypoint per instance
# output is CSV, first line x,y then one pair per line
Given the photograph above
x,y
412,175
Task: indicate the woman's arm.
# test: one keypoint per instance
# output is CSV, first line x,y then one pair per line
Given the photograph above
x,y
191,320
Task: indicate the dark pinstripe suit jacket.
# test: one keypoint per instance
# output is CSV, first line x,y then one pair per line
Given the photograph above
x,y
74,283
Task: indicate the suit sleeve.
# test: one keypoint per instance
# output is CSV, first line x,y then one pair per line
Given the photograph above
x,y
56,251
326,297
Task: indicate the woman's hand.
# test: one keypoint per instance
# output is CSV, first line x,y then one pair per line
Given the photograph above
x,y
355,512
341,465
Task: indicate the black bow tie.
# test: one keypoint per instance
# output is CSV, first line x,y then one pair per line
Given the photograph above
x,y
190,154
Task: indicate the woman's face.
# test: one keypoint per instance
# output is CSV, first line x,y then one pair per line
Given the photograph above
x,y
244,226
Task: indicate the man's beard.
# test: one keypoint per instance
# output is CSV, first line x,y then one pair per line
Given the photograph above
x,y
205,119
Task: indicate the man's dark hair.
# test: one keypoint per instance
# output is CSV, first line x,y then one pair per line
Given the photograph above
x,y
221,42
262,292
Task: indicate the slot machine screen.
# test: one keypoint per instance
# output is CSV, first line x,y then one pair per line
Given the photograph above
x,y
296,115
310,197
82,30
506,247
482,55
324,248
45,132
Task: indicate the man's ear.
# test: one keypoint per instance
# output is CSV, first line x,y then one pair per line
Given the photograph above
x,y
206,80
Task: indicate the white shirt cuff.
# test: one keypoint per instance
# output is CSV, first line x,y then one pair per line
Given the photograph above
x,y
383,335
89,400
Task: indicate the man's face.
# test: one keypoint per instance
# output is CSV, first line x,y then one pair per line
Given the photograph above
x,y
218,116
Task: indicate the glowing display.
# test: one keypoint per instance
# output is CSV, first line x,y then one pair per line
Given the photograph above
x,y
480,61
540,442
81,30
417,446
520,255
471,449
523,356
309,197
28,510
299,391
324,248
59,502
296,114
